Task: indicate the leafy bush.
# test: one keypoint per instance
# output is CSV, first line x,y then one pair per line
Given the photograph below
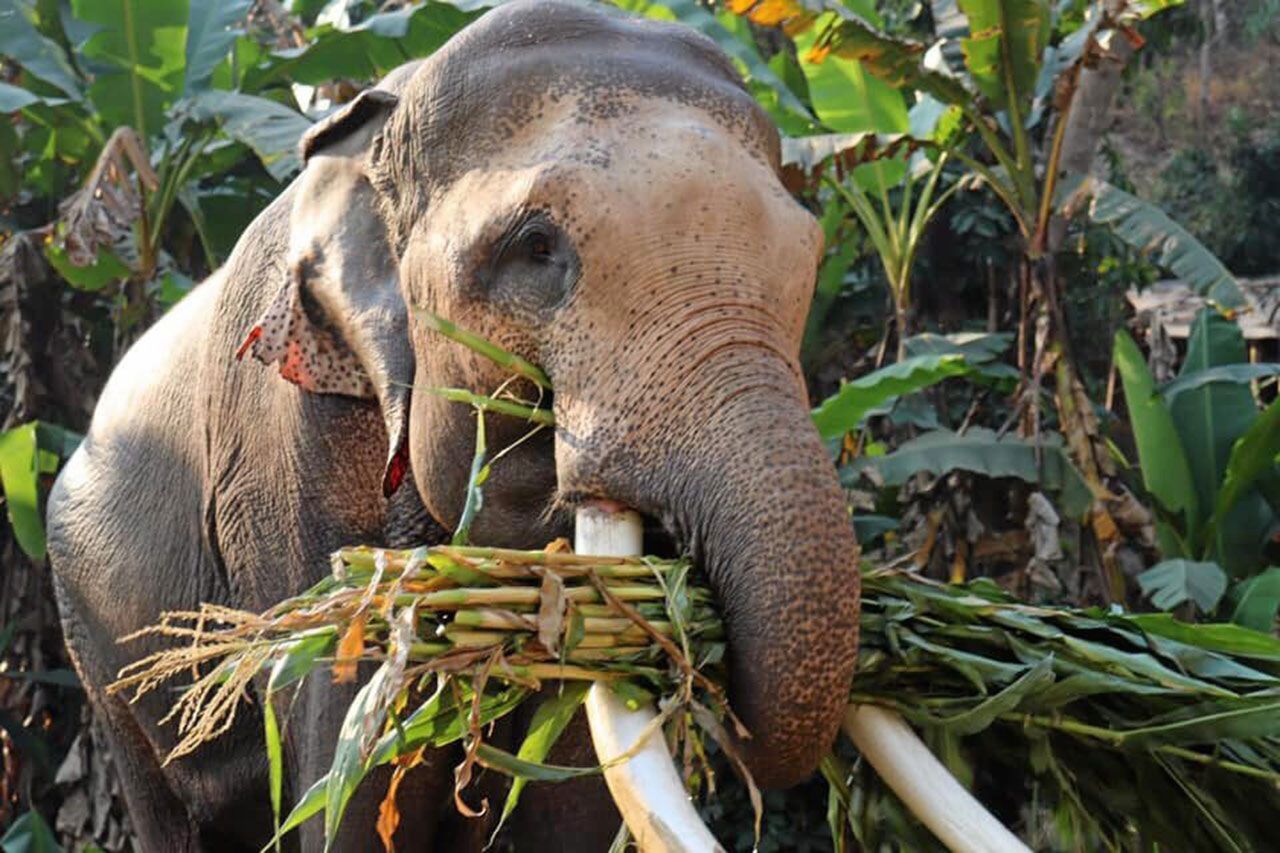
x,y
1232,203
1209,459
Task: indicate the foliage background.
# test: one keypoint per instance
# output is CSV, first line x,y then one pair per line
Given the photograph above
x,y
143,136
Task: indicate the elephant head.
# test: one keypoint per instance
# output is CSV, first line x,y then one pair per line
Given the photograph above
x,y
600,195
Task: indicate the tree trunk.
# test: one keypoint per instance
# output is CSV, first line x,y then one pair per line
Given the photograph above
x,y
1208,37
1086,120
1089,117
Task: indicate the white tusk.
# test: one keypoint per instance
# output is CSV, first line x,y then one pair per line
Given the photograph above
x,y
651,796
926,787
646,787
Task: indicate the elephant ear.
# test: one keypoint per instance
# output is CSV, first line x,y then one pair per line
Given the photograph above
x,y
338,324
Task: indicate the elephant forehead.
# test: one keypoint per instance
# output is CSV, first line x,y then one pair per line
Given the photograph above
x,y
670,165
507,103
527,62
664,205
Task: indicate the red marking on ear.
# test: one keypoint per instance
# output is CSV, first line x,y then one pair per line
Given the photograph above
x,y
254,334
396,469
293,366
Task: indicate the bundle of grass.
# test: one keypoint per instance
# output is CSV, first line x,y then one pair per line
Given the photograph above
x,y
463,635
1083,729
1118,730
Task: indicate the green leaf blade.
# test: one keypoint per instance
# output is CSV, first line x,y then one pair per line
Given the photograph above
x,y
210,35
981,451
1209,419
1173,582
1147,228
844,411
363,720
272,130
19,474
548,723
1006,41
39,56
1254,455
1258,600
1165,470
1222,374
29,834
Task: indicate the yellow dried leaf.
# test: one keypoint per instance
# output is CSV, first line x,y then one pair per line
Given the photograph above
x,y
389,812
552,604
350,647
770,13
817,53
1104,527
959,563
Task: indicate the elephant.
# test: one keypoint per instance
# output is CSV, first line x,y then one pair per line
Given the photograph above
x,y
597,193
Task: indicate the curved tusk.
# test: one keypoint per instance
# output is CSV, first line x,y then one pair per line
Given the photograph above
x,y
650,793
646,787
927,788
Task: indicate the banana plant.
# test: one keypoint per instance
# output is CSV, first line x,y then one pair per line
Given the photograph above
x,y
1003,73
152,107
1210,459
897,234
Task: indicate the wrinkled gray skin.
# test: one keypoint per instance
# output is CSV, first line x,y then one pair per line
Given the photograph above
x,y
597,193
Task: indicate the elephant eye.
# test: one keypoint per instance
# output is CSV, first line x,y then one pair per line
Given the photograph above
x,y
538,244
533,268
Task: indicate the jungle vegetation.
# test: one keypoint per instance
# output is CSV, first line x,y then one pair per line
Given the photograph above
x,y
992,177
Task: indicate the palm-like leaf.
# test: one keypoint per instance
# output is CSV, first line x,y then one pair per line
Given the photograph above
x,y
1147,228
1003,50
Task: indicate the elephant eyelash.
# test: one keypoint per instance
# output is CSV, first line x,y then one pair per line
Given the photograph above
x,y
533,233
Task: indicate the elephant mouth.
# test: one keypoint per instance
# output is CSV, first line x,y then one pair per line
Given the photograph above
x,y
659,541
662,537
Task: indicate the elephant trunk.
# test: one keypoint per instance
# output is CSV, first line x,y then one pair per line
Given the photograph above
x,y
736,470
777,543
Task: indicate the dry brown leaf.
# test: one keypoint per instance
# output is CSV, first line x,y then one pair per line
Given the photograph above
x,y
712,726
1133,517
933,522
389,812
552,605
559,546
103,211
462,773
350,648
